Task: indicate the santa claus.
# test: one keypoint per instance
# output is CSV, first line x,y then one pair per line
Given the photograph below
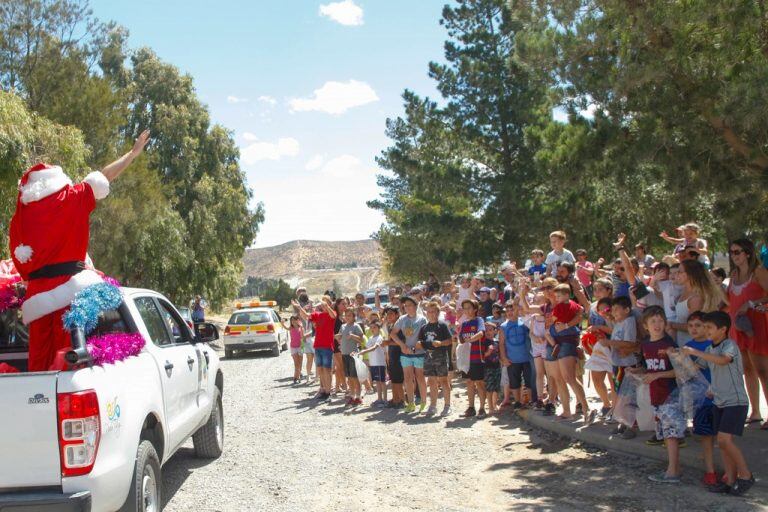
x,y
49,243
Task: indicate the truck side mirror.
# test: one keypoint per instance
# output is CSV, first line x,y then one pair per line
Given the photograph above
x,y
206,332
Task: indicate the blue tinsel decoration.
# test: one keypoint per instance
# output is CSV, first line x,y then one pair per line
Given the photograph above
x,y
88,303
764,255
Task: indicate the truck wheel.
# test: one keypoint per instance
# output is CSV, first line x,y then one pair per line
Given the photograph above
x,y
209,439
276,349
146,487
229,353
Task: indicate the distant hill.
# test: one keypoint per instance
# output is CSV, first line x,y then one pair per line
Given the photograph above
x,y
315,264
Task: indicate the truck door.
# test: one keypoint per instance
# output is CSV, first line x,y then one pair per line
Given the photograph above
x,y
176,364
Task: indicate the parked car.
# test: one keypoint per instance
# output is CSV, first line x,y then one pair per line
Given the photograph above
x,y
97,437
186,314
370,298
255,326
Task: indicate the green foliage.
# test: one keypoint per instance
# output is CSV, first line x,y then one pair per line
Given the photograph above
x,y
268,289
676,100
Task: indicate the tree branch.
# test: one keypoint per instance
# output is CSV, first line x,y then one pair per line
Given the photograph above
x,y
755,157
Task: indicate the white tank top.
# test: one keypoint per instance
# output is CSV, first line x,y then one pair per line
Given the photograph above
x,y
681,316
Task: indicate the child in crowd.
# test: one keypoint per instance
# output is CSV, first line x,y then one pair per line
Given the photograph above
x,y
558,254
665,399
599,362
308,342
377,361
723,359
623,346
513,347
435,338
394,368
703,418
536,323
497,314
538,269
411,354
563,338
472,331
323,318
492,367
350,339
296,333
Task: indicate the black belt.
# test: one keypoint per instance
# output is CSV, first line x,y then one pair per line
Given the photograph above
x,y
67,268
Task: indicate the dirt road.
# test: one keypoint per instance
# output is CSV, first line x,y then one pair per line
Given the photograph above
x,y
283,452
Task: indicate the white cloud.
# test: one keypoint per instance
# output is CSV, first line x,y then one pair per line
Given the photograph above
x,y
336,97
250,137
344,166
235,99
345,12
315,163
261,150
269,100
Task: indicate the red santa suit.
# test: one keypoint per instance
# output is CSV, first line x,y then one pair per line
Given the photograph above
x,y
49,240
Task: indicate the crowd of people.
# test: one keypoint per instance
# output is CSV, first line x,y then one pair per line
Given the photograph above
x,y
526,339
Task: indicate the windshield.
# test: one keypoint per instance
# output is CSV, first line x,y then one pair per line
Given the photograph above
x,y
372,300
253,317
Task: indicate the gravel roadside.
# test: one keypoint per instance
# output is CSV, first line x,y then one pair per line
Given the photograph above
x,y
283,452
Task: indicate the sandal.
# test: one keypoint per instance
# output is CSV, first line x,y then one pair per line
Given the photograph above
x,y
753,420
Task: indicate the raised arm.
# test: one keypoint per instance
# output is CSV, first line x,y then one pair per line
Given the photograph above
x,y
113,170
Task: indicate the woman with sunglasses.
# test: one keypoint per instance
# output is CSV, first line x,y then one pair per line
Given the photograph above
x,y
747,292
700,293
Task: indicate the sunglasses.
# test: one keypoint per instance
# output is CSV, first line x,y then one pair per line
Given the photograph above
x,y
736,252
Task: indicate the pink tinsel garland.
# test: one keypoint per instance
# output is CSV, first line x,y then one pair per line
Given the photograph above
x,y
110,348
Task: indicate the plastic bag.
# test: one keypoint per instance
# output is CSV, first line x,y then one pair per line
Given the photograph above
x,y
692,384
361,368
462,356
627,409
646,418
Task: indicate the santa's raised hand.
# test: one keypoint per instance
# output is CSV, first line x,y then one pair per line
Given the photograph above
x,y
114,169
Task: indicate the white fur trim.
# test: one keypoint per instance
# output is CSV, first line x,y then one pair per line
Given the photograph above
x,y
23,253
41,304
43,183
99,183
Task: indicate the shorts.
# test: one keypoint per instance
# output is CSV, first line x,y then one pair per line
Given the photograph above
x,y
704,421
411,360
436,363
493,378
395,368
730,420
476,371
350,370
519,373
671,421
296,350
324,358
567,350
378,373
308,347
539,349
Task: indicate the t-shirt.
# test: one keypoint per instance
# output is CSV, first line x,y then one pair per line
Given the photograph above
x,y
410,327
470,328
566,312
541,269
670,291
324,325
702,346
376,357
657,360
486,307
516,340
297,333
727,379
493,357
581,272
620,286
554,259
349,344
626,330
437,331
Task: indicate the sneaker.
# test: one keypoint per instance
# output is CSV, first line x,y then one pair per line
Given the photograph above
x,y
549,409
357,401
516,406
604,412
628,434
318,396
481,413
618,429
432,411
654,441
664,478
741,486
469,412
422,406
709,479
720,488
446,411
410,407
539,405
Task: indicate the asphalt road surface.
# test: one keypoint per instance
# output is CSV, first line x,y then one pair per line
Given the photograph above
x,y
283,452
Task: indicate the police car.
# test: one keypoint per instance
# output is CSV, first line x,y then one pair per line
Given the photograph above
x,y
255,326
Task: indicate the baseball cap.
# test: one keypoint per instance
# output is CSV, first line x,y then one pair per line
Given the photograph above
x,y
485,289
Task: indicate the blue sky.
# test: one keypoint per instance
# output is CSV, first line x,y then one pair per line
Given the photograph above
x,y
306,86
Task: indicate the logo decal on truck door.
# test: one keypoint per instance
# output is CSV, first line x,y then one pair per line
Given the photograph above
x,y
39,398
113,415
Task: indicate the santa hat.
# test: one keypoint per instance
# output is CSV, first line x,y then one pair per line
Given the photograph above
x,y
40,181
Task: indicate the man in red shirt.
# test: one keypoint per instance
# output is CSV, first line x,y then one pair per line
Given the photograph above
x,y
324,318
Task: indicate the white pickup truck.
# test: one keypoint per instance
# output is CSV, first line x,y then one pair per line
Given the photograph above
x,y
95,438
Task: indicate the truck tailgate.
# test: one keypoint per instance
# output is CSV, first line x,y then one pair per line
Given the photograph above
x,y
29,440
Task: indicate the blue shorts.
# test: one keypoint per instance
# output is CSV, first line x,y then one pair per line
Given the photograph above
x,y
671,421
378,373
412,360
566,350
323,358
704,421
